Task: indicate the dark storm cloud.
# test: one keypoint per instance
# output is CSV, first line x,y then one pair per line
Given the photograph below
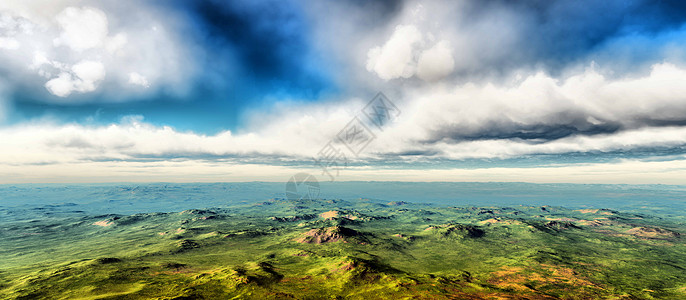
x,y
534,133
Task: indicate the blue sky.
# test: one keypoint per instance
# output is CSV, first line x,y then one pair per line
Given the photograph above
x,y
541,91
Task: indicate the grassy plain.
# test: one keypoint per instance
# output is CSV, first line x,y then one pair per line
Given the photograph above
x,y
335,249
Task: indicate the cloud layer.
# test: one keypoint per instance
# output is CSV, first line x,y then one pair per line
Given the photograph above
x,y
476,81
539,114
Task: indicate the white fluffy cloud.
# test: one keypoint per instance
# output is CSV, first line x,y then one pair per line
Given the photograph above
x,y
63,85
396,58
138,79
72,46
82,28
436,62
405,55
9,43
10,27
83,78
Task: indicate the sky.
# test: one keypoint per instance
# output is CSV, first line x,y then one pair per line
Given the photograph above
x,y
214,91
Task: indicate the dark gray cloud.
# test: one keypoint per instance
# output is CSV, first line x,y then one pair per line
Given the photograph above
x,y
534,133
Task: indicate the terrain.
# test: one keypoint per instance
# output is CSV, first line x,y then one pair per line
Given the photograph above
x,y
335,249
